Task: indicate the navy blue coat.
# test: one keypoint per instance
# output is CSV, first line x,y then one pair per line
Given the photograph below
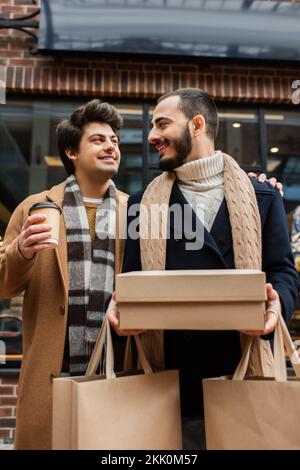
x,y
199,354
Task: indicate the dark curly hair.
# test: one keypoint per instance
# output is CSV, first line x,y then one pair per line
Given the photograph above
x,y
69,131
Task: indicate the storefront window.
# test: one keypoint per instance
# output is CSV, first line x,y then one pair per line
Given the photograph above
x,y
130,175
239,136
29,160
15,150
283,151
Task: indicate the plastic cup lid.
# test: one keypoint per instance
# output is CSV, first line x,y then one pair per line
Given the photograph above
x,y
41,205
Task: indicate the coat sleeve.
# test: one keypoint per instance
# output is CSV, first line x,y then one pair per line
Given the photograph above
x,y
15,270
278,262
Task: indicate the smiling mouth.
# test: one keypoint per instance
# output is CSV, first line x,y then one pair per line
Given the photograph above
x,y
161,148
107,158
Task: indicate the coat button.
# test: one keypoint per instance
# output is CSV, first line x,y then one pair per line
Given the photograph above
x,y
62,310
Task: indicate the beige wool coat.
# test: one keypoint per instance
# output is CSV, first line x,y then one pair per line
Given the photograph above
x,y
45,282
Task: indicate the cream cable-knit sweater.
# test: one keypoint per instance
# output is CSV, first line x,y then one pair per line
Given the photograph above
x,y
202,184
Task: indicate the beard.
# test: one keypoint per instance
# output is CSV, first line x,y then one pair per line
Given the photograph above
x,y
183,147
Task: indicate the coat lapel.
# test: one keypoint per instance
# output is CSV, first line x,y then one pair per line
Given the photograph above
x,y
221,229
121,226
56,194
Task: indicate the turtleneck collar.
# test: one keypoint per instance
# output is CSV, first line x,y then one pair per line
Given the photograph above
x,y
201,169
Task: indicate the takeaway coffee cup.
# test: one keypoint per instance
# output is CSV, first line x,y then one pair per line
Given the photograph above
x,y
52,212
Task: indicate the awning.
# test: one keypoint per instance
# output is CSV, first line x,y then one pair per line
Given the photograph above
x,y
243,29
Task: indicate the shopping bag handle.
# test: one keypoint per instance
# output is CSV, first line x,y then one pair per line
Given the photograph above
x,y
282,339
104,334
141,355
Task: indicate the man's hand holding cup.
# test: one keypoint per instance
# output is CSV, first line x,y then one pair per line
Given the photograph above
x,y
40,230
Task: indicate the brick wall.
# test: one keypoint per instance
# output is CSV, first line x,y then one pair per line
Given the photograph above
x,y
8,399
94,75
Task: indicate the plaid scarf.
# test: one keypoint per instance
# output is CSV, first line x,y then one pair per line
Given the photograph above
x,y
91,270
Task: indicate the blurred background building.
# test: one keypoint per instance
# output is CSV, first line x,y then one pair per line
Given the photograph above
x,y
58,54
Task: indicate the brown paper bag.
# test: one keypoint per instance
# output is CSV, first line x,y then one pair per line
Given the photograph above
x,y
139,411
255,412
